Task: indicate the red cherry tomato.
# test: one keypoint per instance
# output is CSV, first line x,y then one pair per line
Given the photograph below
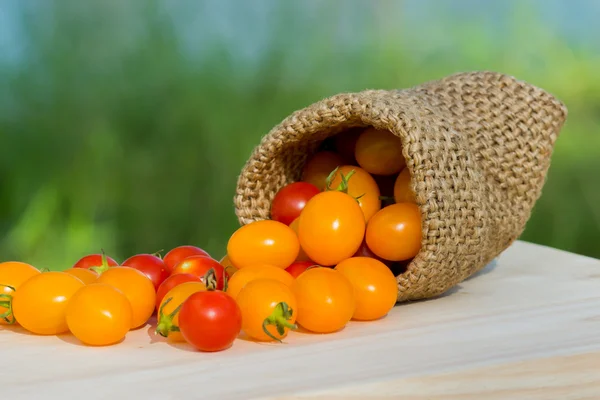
x,y
94,260
290,200
152,266
299,267
170,283
210,320
180,253
199,266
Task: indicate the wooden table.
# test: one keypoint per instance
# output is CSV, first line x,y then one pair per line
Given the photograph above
x,y
526,327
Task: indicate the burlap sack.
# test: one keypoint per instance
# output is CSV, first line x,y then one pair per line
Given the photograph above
x,y
477,145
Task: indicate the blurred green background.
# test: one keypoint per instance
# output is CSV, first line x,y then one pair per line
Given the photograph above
x,y
123,124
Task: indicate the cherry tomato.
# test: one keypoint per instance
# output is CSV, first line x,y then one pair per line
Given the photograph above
x,y
263,242
40,303
301,254
403,193
180,253
290,200
345,144
299,267
94,260
168,314
325,299
379,152
199,266
138,289
375,287
331,227
99,315
365,251
359,184
228,265
248,274
12,275
150,265
87,276
318,167
268,310
171,282
394,233
210,320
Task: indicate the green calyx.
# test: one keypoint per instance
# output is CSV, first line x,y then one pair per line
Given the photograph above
x,y
6,302
102,268
280,318
165,322
343,186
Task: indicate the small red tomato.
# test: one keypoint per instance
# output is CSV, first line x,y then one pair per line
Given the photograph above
x,y
199,266
299,267
210,320
290,200
170,283
180,253
94,260
152,266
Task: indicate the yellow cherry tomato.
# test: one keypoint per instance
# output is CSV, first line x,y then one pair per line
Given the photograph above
x,y
99,315
12,275
40,303
375,286
379,152
402,190
168,311
87,276
138,289
268,309
253,272
359,184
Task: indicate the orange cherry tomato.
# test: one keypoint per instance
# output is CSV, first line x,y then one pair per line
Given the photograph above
x,y
228,265
325,299
379,152
40,303
375,287
12,275
138,289
345,144
301,254
394,232
87,276
168,314
318,167
99,315
403,193
268,309
258,271
359,184
263,242
331,227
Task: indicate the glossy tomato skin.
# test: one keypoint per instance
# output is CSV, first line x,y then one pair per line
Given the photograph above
x,y
12,275
258,271
180,253
40,303
199,266
325,300
210,321
87,276
138,289
375,287
168,317
266,242
171,282
394,233
94,260
290,201
319,166
99,315
361,185
262,299
150,265
403,192
331,227
379,152
299,267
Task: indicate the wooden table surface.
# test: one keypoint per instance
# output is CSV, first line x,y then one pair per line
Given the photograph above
x,y
527,327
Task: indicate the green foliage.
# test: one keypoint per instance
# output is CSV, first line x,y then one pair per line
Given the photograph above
x,y
117,134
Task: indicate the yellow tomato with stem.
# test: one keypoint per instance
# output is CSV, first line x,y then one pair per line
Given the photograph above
x,y
359,184
168,312
12,275
319,166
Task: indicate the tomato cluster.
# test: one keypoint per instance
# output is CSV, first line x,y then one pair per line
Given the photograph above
x,y
328,255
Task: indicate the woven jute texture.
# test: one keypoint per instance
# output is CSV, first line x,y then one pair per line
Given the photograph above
x,y
477,145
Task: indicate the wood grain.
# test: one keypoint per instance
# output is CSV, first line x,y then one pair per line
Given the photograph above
x,y
527,327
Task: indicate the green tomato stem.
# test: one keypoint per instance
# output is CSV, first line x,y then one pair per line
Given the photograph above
x,y
6,302
165,322
102,268
343,186
280,319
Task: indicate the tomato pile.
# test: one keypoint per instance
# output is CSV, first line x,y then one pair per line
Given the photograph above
x,y
329,254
